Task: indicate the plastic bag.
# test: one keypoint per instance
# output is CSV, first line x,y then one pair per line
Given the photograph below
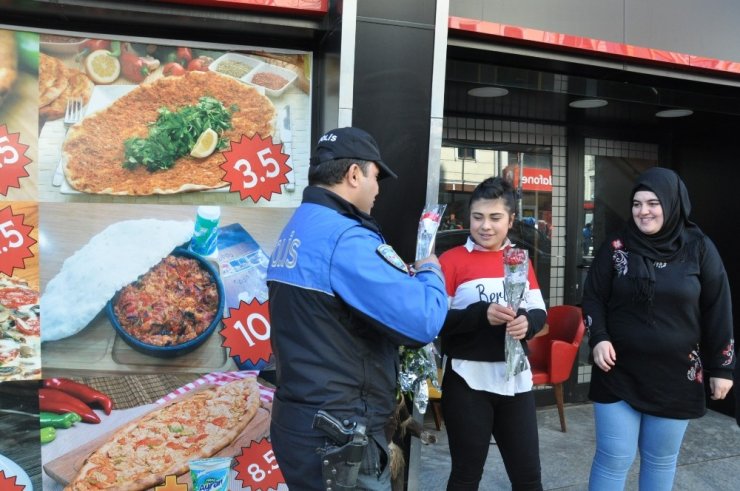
x,y
516,271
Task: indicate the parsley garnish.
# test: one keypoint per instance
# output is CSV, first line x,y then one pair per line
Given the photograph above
x,y
173,134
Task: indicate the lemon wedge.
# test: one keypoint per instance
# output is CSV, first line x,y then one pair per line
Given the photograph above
x,y
102,67
205,144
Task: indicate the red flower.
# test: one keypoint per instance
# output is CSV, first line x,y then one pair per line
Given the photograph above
x,y
514,256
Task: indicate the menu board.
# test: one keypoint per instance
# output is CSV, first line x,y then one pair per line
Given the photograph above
x,y
119,160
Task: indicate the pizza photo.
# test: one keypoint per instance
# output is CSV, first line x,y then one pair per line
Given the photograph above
x,y
140,145
213,416
20,331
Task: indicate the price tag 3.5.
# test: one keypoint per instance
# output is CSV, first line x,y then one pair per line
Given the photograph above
x,y
13,160
255,168
15,241
246,332
257,467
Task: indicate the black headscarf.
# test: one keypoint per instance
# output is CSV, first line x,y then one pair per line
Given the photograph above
x,y
672,238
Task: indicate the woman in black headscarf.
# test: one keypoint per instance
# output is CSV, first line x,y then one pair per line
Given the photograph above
x,y
658,309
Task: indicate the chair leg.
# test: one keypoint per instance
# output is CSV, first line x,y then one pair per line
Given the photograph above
x,y
559,400
437,410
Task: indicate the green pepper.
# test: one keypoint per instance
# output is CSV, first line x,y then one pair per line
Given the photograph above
x,y
28,50
64,420
48,434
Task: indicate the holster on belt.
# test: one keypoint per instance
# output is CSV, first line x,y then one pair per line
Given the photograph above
x,y
340,462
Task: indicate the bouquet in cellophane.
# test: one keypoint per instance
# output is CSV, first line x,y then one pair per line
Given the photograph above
x,y
428,226
420,365
516,271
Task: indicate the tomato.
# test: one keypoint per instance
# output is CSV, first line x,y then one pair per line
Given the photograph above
x,y
96,44
29,327
184,55
15,297
199,64
173,69
9,355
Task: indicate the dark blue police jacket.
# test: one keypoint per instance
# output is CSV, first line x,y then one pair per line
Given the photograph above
x,y
341,303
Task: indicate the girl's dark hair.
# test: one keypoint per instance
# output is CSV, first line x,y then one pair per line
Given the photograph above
x,y
495,188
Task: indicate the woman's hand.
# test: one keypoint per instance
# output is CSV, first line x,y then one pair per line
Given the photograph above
x,y
499,314
518,328
719,387
604,355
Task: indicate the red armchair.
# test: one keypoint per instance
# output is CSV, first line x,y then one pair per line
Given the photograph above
x,y
552,355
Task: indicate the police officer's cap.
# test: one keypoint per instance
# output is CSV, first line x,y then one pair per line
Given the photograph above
x,y
350,143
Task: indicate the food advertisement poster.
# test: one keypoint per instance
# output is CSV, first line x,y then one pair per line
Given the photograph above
x,y
143,184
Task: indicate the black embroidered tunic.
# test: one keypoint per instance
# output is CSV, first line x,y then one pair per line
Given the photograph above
x,y
665,349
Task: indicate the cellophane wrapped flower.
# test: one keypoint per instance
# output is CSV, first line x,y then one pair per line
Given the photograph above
x,y
516,271
428,226
420,365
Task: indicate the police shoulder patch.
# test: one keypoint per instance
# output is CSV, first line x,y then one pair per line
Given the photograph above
x,y
391,257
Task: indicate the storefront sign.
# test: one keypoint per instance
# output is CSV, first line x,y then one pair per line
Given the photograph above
x,y
15,241
246,332
257,467
289,6
534,179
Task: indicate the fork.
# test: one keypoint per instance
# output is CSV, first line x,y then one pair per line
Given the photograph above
x,y
72,115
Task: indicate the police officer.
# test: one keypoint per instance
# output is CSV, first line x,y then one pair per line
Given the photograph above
x,y
341,303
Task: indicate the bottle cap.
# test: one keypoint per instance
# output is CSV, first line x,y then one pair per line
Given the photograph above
x,y
209,212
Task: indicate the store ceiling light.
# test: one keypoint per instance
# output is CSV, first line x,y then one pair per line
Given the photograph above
x,y
674,113
488,92
588,103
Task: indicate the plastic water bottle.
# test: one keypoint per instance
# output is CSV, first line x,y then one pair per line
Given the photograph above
x,y
205,235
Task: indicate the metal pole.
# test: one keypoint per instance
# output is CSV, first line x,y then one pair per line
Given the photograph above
x,y
519,189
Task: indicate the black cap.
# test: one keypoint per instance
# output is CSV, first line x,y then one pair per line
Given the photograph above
x,y
350,143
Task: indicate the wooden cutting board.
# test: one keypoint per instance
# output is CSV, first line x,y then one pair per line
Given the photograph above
x,y
64,469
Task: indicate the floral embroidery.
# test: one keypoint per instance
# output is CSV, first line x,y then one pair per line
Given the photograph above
x,y
619,257
729,353
695,373
587,321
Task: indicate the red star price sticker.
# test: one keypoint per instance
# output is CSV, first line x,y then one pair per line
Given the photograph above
x,y
247,332
255,168
15,241
257,467
9,483
13,160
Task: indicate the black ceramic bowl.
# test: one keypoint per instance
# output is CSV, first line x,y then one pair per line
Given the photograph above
x,y
177,349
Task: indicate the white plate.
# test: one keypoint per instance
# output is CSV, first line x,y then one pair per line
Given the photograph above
x,y
104,95
12,469
61,49
252,63
288,75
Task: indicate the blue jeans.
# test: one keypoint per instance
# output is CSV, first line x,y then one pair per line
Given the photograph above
x,y
620,430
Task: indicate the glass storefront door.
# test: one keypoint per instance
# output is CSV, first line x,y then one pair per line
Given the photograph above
x,y
609,172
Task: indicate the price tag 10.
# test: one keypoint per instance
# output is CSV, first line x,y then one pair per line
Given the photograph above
x,y
246,332
255,168
15,241
13,160
257,467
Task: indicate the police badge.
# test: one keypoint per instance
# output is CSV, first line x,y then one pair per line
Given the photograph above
x,y
391,257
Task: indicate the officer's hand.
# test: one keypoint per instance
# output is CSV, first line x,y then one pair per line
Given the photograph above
x,y
429,259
